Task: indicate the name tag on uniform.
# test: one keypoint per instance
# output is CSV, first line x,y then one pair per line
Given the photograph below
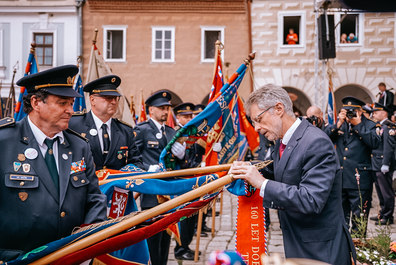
x,y
152,143
22,177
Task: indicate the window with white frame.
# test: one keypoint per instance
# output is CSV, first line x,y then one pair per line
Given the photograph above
x,y
114,46
291,30
163,44
349,28
44,48
209,36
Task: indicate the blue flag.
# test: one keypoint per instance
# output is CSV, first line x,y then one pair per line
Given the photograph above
x,y
79,103
31,68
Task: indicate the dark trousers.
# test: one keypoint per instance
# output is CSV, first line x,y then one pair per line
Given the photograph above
x,y
187,227
158,246
354,204
386,195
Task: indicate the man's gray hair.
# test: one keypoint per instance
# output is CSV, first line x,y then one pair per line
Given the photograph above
x,y
268,96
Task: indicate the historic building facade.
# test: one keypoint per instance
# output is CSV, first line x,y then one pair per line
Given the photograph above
x,y
362,60
168,44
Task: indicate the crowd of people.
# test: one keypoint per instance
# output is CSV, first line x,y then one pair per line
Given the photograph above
x,y
50,157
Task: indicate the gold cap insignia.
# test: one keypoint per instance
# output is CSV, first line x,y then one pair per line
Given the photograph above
x,y
164,94
349,103
113,79
69,80
23,196
188,107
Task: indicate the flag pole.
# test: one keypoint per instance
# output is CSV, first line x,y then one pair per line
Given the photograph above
x,y
174,173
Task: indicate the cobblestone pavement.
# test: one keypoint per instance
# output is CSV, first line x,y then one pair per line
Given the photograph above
x,y
224,238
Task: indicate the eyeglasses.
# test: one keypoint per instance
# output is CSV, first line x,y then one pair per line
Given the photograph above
x,y
258,119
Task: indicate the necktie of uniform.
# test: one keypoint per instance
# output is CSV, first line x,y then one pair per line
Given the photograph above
x,y
164,133
50,161
106,139
281,149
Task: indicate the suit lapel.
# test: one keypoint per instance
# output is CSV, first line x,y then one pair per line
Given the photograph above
x,y
95,146
38,163
114,140
64,160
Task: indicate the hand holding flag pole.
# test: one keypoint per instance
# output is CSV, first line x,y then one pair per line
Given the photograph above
x,y
141,217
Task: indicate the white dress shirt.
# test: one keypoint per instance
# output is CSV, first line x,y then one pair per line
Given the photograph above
x,y
158,125
98,124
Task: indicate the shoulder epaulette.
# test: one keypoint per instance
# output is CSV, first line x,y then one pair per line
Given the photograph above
x,y
79,113
142,123
7,121
378,125
76,134
170,127
123,122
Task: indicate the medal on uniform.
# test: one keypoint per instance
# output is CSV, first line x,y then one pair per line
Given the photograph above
x,y
83,134
119,156
26,168
21,157
64,156
158,135
31,153
17,166
93,132
23,196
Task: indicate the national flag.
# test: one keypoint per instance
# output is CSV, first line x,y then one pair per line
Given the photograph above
x,y
203,122
170,120
79,103
31,68
331,107
98,68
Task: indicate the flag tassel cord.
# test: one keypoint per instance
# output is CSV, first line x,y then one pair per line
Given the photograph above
x,y
141,217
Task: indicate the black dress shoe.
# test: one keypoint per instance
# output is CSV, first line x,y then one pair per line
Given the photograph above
x,y
210,213
203,234
384,221
185,256
193,252
206,229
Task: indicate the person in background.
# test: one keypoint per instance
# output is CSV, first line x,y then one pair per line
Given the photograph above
x,y
386,97
110,139
292,37
315,117
383,161
48,184
343,38
352,38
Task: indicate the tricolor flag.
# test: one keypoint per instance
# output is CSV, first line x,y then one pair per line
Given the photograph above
x,y
331,107
31,68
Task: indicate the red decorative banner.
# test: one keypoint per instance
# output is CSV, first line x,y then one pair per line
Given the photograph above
x,y
118,203
251,239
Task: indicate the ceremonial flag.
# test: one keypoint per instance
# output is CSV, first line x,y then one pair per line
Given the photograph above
x,y
331,113
143,115
170,120
203,122
31,68
79,103
98,68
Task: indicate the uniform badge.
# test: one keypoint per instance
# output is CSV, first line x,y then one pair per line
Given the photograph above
x,y
26,167
93,132
158,135
23,196
64,156
21,157
391,132
119,156
31,153
164,94
17,166
83,134
113,79
78,166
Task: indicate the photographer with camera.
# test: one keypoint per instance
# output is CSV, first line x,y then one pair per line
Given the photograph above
x,y
315,117
354,136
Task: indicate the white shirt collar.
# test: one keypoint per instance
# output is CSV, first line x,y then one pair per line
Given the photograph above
x,y
381,122
157,124
289,133
99,122
40,136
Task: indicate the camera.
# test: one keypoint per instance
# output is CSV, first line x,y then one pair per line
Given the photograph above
x,y
351,114
313,119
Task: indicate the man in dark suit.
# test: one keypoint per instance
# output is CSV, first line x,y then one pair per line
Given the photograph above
x,y
306,187
383,165
111,140
386,97
48,184
354,137
151,137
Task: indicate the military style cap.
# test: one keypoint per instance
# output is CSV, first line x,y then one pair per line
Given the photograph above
x,y
104,86
199,108
378,106
56,81
159,98
367,108
184,108
352,103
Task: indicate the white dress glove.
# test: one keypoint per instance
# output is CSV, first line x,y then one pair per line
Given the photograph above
x,y
384,169
217,147
179,150
153,168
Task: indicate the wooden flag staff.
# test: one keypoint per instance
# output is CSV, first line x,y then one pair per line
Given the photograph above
x,y
139,218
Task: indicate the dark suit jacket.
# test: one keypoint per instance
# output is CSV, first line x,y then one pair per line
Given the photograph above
x,y
384,153
151,147
33,213
387,100
122,150
307,191
354,151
